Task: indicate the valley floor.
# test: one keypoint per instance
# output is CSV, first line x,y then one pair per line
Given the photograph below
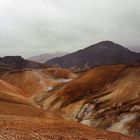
x,y
29,128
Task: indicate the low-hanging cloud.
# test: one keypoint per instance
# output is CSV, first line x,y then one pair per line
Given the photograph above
x,y
30,27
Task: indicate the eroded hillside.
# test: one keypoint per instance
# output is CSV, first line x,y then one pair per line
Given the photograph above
x,y
51,103
19,119
106,97
37,81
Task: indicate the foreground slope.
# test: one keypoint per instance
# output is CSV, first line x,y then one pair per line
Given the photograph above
x,y
8,88
19,119
52,129
14,104
105,52
43,98
106,97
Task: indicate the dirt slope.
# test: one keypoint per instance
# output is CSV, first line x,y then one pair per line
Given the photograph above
x,y
21,120
13,104
50,129
37,81
106,97
8,88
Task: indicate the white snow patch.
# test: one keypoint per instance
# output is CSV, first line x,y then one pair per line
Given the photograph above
x,y
136,107
64,80
86,122
50,88
120,126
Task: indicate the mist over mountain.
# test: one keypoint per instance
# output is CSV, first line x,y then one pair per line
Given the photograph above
x,y
29,28
102,53
46,56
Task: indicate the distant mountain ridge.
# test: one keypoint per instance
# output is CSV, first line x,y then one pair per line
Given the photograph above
x,y
46,56
19,62
102,53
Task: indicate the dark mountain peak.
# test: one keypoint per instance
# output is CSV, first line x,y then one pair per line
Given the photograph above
x,y
106,47
13,58
102,53
20,62
106,43
109,45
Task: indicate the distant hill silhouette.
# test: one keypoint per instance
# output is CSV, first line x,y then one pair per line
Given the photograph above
x,y
46,56
19,62
102,53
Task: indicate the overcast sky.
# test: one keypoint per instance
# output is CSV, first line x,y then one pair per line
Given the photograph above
x,y
31,27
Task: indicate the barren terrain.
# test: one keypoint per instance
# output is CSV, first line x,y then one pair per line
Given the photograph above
x,y
57,104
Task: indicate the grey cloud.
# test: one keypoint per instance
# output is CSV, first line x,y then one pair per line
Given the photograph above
x,y
30,27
